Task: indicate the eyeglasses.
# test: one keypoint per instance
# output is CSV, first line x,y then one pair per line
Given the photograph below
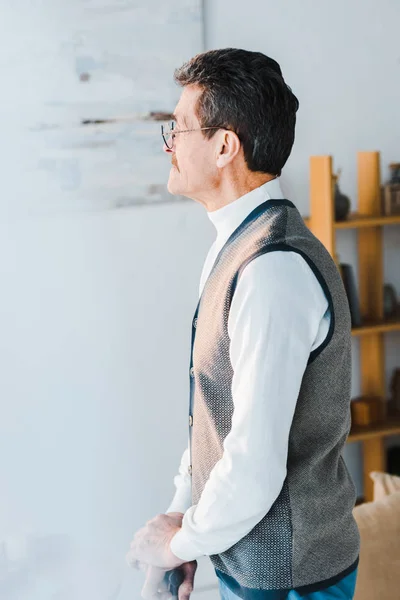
x,y
169,132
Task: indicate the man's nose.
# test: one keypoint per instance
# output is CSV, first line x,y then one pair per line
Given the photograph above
x,y
167,150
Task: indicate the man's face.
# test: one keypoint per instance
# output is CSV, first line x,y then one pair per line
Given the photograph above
x,y
193,156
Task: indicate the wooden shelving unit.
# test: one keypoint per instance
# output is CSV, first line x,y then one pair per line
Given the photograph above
x,y
368,223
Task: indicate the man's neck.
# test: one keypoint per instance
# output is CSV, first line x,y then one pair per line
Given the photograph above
x,y
229,191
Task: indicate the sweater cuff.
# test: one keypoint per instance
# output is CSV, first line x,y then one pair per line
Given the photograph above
x,y
183,547
177,505
181,501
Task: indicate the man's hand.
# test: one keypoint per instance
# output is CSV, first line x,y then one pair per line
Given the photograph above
x,y
155,586
188,569
186,587
151,545
148,544
177,517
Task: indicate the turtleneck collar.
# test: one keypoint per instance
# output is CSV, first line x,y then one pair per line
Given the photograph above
x,y
229,217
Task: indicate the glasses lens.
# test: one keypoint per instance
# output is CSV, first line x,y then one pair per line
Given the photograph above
x,y
166,135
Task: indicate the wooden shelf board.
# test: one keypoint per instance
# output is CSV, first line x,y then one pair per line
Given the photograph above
x,y
356,221
377,327
389,427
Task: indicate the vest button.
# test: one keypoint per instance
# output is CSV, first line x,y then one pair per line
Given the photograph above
x,y
190,421
192,372
195,323
190,469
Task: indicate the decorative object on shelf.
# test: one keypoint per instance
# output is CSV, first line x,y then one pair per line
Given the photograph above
x,y
342,202
391,192
395,392
367,410
349,283
393,460
390,306
394,173
391,199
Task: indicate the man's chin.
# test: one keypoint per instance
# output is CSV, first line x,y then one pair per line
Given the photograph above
x,y
173,185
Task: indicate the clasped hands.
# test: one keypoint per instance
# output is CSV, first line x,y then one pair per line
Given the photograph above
x,y
150,552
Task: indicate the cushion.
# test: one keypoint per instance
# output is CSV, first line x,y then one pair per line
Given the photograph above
x,y
384,484
379,568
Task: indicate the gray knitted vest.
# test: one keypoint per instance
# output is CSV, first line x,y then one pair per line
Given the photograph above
x,y
309,535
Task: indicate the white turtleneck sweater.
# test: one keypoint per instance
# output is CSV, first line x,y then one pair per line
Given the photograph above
x,y
279,314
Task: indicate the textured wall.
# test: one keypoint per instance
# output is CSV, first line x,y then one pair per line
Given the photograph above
x,y
76,61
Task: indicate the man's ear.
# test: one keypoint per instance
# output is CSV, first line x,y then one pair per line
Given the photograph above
x,y
228,149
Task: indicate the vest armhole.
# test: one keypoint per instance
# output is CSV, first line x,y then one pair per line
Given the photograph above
x,y
287,248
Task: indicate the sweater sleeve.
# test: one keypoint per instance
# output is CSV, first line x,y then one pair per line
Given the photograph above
x,y
278,315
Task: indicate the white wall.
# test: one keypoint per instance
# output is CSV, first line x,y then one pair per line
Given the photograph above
x,y
96,304
95,314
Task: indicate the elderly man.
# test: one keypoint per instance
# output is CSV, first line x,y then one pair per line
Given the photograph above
x,y
262,488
